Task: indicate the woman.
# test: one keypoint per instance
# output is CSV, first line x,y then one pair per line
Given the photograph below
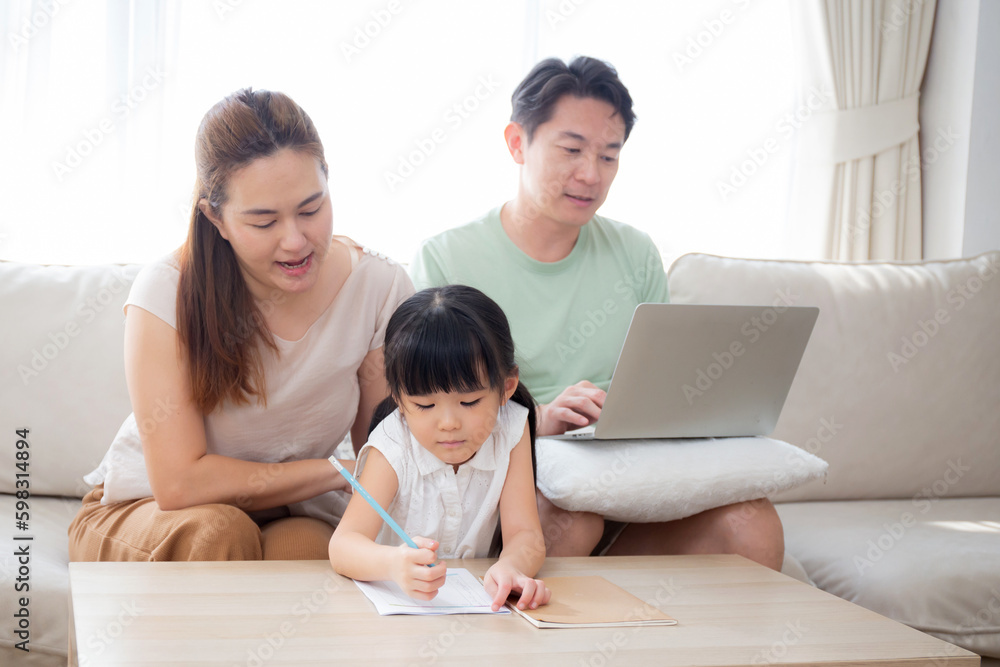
x,y
249,354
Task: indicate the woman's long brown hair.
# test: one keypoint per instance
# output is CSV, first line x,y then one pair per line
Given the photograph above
x,y
221,328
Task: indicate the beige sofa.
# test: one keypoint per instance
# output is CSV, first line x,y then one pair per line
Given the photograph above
x,y
907,523
899,391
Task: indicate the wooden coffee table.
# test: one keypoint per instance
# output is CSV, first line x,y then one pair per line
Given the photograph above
x,y
730,611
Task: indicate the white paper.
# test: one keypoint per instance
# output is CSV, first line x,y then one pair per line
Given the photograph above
x,y
462,593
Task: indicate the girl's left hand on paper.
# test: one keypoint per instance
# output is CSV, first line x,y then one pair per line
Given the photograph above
x,y
501,580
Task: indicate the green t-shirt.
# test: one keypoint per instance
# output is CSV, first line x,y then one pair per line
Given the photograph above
x,y
568,318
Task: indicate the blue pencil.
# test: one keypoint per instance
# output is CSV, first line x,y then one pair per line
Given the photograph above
x,y
371,501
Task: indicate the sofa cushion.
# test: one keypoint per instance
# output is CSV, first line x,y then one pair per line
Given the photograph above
x,y
791,567
47,578
899,386
931,564
663,480
62,371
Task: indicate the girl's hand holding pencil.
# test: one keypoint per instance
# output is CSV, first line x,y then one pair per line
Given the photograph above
x,y
411,571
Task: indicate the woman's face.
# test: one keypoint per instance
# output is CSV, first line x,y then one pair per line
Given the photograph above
x,y
279,221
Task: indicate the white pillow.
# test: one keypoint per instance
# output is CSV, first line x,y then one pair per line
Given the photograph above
x,y
662,480
62,370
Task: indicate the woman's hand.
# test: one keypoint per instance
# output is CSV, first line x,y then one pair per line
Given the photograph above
x,y
503,578
343,484
411,573
578,405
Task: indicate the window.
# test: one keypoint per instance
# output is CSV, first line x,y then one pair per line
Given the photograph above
x,y
410,99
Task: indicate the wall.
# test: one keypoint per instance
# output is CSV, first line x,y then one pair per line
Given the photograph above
x,y
960,131
982,205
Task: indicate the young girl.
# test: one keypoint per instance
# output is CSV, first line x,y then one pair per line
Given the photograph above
x,y
452,458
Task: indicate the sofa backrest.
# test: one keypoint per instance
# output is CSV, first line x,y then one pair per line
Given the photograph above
x,y
899,387
62,372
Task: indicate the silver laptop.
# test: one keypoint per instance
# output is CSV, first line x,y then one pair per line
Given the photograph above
x,y
694,371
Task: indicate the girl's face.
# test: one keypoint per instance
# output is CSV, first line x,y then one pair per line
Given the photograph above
x,y
279,221
454,425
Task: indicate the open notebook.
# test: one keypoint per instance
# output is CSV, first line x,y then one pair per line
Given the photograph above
x,y
462,593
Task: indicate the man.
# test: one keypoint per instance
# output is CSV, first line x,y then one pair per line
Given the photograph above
x,y
569,280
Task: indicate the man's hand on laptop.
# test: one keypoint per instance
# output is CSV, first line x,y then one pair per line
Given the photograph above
x,y
577,406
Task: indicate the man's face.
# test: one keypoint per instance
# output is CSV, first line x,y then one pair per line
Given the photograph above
x,y
570,163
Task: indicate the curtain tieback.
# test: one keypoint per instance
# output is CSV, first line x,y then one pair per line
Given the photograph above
x,y
848,134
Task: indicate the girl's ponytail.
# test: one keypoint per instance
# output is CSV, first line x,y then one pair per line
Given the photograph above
x,y
523,396
382,410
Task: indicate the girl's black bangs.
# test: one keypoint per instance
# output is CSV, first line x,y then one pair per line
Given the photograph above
x,y
444,355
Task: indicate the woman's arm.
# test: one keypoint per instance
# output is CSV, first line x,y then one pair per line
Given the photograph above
x,y
371,379
354,553
172,430
523,544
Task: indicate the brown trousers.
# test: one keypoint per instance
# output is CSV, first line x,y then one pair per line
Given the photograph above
x,y
138,530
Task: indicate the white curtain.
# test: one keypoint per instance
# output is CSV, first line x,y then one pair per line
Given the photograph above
x,y
856,189
83,97
102,100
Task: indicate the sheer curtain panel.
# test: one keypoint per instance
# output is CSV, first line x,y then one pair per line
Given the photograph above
x,y
856,193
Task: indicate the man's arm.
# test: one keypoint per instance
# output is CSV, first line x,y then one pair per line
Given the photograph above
x,y
577,406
